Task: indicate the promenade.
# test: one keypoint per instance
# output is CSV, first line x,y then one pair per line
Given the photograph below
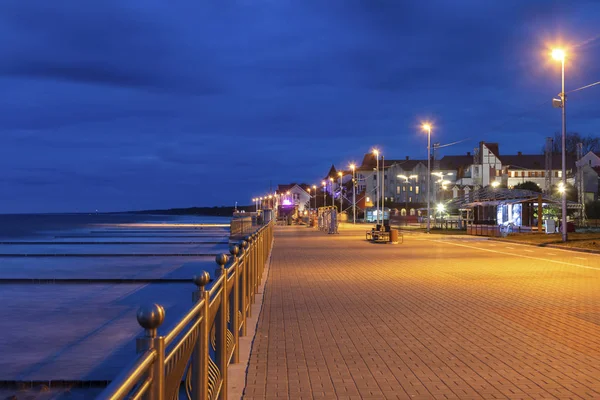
x,y
438,317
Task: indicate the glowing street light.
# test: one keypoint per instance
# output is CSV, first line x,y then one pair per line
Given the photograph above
x,y
427,127
353,168
495,184
314,187
376,152
560,55
331,188
324,184
341,175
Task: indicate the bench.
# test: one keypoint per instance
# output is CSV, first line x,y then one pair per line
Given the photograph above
x,y
378,236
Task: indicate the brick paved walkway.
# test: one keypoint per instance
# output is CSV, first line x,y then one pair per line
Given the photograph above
x,y
428,319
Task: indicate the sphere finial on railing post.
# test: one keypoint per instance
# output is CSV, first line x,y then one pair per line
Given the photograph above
x,y
150,317
201,281
243,245
221,260
234,250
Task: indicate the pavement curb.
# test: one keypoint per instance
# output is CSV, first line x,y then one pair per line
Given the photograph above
x,y
553,246
238,373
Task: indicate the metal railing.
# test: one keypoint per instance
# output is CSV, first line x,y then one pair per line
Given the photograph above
x,y
242,225
194,354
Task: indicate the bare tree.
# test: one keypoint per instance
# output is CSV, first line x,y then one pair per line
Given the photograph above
x,y
590,143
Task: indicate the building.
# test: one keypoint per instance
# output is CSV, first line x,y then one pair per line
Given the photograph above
x,y
294,195
489,166
590,175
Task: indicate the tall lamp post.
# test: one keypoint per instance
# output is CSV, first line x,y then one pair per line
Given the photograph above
x,y
382,189
314,187
331,188
353,168
324,184
376,152
341,174
559,54
427,127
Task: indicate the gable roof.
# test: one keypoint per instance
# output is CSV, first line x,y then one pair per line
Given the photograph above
x,y
286,187
332,173
455,162
535,161
493,147
407,165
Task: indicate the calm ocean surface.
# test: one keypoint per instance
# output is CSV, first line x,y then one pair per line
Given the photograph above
x,y
13,226
54,330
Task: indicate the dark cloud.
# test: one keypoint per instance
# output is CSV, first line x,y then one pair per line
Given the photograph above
x,y
125,104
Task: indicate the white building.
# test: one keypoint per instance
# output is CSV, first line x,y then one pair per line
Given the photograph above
x,y
294,194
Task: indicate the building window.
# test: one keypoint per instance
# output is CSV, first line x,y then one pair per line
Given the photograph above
x,y
411,188
412,211
403,212
416,190
398,189
522,173
560,174
543,174
556,174
410,199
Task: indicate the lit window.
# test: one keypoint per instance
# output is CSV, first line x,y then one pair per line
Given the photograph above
x,y
416,189
398,189
410,199
411,188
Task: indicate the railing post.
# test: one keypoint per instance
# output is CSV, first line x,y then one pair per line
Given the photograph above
x,y
221,325
150,318
249,266
200,354
235,303
256,241
243,283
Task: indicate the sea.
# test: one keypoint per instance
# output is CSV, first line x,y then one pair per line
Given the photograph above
x,y
70,287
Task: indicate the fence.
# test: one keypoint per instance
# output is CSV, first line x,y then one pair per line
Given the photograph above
x,y
197,350
327,217
241,225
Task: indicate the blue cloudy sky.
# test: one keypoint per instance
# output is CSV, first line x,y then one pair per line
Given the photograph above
x,y
136,104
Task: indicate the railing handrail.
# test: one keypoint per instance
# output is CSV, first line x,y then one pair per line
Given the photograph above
x,y
126,381
222,309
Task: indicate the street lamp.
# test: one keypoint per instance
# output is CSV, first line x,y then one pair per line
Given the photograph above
x,y
427,127
331,188
341,174
353,168
376,152
315,197
324,184
559,54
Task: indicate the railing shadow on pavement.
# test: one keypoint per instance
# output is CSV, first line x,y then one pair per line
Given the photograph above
x,y
197,350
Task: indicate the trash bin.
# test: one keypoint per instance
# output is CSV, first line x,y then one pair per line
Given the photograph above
x,y
394,236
